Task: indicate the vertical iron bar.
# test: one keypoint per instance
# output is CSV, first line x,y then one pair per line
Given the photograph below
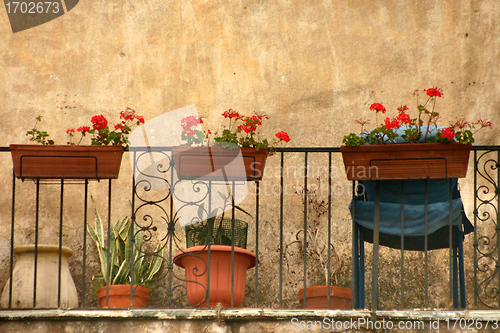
x,y
376,240
84,260
36,240
257,189
475,230
460,246
209,240
305,228
361,270
450,241
11,261
109,244
355,252
497,224
61,210
232,244
329,227
455,278
131,241
171,230
426,243
281,234
402,242
132,233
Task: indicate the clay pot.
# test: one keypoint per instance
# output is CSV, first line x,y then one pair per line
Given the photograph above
x,y
120,296
46,279
316,297
194,260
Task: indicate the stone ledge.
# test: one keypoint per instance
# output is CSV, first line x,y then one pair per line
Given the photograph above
x,y
240,314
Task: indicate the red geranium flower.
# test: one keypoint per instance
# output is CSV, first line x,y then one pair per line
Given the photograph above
x,y
231,114
83,129
402,108
283,136
404,118
484,123
190,121
244,128
434,92
99,122
70,130
378,107
128,114
391,123
447,133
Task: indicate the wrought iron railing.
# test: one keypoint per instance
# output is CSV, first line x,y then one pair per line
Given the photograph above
x,y
298,209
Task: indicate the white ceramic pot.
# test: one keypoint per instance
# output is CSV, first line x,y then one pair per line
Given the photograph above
x,y
46,279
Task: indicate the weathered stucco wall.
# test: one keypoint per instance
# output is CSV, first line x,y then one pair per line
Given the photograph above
x,y
312,66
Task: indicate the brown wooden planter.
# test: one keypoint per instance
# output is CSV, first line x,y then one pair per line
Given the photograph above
x,y
66,161
202,162
406,161
317,297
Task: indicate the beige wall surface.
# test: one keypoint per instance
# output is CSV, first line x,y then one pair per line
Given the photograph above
x,y
313,66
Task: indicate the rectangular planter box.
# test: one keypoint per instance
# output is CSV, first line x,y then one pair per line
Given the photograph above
x,y
406,161
66,161
219,164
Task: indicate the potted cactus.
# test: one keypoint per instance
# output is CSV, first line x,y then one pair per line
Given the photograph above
x,y
124,286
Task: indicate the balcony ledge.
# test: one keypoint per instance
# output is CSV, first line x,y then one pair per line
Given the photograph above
x,y
243,314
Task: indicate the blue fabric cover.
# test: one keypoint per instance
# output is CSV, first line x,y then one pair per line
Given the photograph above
x,y
414,207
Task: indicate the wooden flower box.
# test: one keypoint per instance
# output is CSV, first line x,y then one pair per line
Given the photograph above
x,y
406,161
219,164
66,161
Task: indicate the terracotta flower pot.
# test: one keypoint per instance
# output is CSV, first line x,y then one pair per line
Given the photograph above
x,y
47,286
216,163
66,161
194,261
317,297
406,161
119,296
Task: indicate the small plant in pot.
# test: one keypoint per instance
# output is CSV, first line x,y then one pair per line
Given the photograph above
x,y
119,279
328,268
217,232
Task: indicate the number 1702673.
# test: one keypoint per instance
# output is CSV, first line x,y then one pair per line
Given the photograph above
x,y
32,7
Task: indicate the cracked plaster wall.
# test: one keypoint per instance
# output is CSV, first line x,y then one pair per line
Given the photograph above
x,y
313,66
